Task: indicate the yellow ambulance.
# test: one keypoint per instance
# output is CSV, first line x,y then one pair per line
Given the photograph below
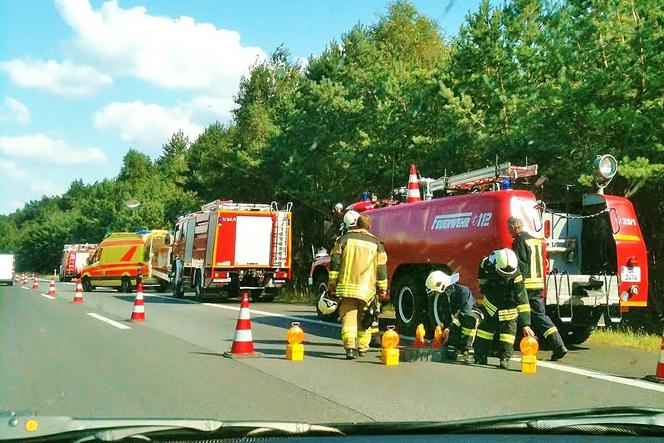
x,y
121,255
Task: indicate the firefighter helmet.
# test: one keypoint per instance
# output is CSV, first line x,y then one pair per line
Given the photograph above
x,y
338,207
438,281
327,305
506,262
350,219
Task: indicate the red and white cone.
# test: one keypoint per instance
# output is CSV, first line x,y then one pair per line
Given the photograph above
x,y
78,295
25,279
138,314
413,187
35,282
51,288
659,373
243,343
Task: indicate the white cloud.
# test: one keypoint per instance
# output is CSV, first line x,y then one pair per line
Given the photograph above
x,y
47,150
10,169
13,111
172,53
46,187
148,125
65,79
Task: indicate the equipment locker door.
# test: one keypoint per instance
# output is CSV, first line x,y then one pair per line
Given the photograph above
x,y
253,240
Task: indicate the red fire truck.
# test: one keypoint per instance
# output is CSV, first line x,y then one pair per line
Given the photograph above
x,y
74,258
227,246
595,257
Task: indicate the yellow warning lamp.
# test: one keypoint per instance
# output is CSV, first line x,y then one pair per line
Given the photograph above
x,y
420,332
390,353
295,337
529,348
437,337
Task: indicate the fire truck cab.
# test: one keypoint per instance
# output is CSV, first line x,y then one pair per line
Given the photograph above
x,y
74,258
594,258
229,246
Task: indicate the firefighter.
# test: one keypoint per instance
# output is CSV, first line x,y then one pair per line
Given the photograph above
x,y
357,272
505,300
528,251
460,316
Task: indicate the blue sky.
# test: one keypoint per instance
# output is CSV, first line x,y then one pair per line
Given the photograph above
x,y
83,81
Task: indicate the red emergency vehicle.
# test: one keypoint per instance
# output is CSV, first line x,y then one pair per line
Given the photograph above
x,y
229,246
594,256
74,258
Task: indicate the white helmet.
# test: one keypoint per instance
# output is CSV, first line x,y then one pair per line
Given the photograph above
x,y
438,281
338,207
350,218
505,261
326,305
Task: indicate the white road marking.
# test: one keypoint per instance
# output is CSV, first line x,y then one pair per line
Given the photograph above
x,y
25,287
48,296
272,314
108,320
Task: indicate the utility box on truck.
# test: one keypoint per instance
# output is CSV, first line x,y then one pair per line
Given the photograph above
x,y
227,246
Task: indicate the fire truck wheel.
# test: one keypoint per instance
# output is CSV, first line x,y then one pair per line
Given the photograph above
x,y
87,285
575,334
125,285
178,289
266,295
410,304
199,289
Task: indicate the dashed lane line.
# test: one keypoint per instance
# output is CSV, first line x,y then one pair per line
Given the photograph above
x,y
108,320
50,297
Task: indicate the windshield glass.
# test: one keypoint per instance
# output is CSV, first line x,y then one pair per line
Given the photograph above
x,y
330,211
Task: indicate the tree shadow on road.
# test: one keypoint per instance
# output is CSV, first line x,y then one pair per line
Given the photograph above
x,y
148,299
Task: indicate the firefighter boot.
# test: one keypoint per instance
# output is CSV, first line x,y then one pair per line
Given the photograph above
x,y
559,353
480,359
504,363
351,354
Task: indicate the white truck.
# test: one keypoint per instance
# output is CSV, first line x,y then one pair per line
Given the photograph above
x,y
7,265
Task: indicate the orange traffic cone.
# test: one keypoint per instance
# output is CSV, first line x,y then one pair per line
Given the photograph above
x,y
35,282
51,288
25,279
659,372
420,341
138,314
243,343
413,187
78,295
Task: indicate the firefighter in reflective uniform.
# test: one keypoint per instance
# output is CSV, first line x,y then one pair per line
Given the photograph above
x,y
528,251
505,300
457,312
357,272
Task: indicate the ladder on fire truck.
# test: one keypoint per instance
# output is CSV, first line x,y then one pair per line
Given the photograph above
x,y
477,178
280,235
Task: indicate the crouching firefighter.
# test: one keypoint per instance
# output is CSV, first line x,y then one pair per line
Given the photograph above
x,y
357,273
505,301
453,307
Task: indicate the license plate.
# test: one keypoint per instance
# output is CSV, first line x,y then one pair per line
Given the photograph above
x,y
632,275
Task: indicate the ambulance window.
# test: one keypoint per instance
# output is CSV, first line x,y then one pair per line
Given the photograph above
x,y
97,256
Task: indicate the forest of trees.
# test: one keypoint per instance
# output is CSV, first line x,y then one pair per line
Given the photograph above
x,y
553,83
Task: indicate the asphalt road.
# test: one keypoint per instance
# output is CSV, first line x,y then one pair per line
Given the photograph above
x,y
57,359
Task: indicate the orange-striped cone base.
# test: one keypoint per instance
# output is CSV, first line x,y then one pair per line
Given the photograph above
x,y
35,282
243,343
25,279
78,295
413,186
51,288
138,314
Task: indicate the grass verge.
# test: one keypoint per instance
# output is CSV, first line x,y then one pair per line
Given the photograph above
x,y
294,295
626,339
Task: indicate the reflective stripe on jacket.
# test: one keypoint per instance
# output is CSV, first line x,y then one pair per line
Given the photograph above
x,y
358,265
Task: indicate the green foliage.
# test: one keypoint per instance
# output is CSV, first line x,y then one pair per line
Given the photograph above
x,y
553,83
